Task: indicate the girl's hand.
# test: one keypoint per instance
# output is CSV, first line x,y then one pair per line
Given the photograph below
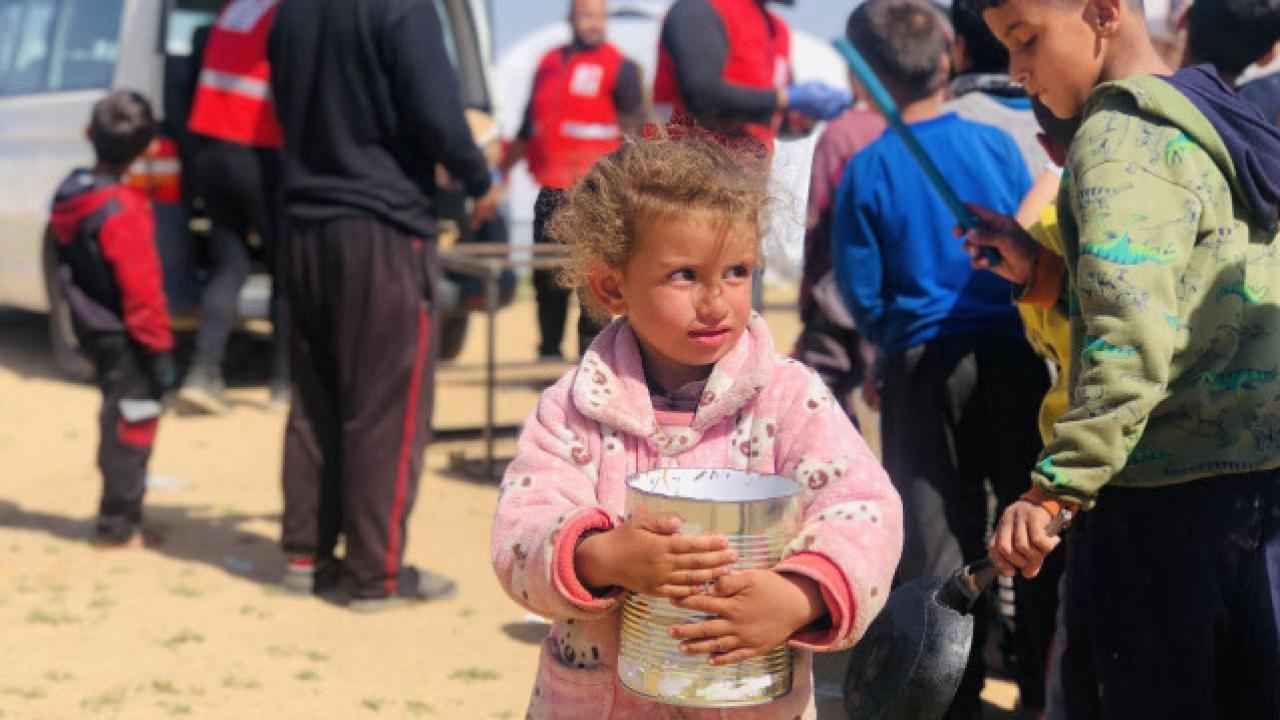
x,y
1017,248
758,611
646,555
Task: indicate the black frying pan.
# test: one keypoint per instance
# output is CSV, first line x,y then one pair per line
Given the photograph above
x,y
909,663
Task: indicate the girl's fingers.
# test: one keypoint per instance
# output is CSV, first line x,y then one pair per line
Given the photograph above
x,y
696,577
687,544
736,656
705,560
732,583
676,592
701,631
698,602
712,646
662,524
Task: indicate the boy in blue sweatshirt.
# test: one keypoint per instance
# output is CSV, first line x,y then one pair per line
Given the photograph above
x,y
960,385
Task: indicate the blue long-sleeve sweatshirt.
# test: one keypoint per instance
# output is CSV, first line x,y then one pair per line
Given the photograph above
x,y
900,267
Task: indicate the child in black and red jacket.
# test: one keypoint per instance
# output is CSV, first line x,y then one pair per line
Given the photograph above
x,y
110,272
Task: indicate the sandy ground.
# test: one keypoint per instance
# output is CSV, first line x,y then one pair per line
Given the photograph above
x,y
196,627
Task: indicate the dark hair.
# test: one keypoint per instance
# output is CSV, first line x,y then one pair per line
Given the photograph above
x,y
978,6
1232,34
986,53
903,41
121,127
1057,132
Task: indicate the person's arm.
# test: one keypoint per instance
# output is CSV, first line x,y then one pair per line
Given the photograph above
x,y
835,576
855,257
547,506
559,553
694,36
516,150
128,247
827,164
1132,254
628,99
429,98
1042,193
851,537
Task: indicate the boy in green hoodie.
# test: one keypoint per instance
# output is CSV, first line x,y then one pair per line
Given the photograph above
x,y
1168,221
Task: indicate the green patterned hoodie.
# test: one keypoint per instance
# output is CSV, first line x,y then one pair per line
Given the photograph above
x,y
1174,298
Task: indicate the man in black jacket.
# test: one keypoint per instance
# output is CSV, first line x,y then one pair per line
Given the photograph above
x,y
369,106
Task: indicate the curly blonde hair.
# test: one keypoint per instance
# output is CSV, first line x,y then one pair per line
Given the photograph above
x,y
653,179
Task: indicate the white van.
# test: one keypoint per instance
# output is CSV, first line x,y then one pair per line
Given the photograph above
x,y
57,58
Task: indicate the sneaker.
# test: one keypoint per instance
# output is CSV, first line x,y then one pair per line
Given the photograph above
x,y
304,575
136,540
415,586
204,391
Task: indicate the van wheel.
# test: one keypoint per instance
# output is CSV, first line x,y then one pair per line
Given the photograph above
x,y
64,346
453,334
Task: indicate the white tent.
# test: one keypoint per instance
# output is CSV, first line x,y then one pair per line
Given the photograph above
x,y
634,28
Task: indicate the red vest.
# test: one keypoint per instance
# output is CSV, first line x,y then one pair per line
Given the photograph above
x,y
233,96
575,121
759,57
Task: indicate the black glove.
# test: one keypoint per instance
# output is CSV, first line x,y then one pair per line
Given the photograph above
x,y
164,372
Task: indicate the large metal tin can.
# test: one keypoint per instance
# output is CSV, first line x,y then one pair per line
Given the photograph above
x,y
759,515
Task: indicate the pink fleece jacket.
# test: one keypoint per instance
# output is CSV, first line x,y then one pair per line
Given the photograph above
x,y
596,426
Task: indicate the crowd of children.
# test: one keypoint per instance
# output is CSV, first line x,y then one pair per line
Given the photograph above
x,y
1149,295
1150,283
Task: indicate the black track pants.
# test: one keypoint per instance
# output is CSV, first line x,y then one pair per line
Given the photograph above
x,y
363,348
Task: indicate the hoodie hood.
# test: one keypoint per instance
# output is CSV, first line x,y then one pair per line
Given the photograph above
x,y
1231,130
78,197
1251,141
610,387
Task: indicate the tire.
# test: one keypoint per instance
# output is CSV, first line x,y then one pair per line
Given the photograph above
x,y
453,334
63,344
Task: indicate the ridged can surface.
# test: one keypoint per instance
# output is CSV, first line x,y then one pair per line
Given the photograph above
x,y
758,514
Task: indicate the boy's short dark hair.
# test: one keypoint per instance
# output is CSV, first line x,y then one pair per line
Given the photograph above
x,y
1232,34
121,127
986,54
903,41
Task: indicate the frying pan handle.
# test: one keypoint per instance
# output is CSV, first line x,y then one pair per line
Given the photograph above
x,y
974,579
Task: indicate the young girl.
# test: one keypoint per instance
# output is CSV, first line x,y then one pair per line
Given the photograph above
x,y
664,235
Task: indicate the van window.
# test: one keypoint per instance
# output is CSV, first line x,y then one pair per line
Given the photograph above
x,y
182,21
86,44
56,46
463,48
26,27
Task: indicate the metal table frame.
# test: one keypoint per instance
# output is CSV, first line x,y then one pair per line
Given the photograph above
x,y
488,261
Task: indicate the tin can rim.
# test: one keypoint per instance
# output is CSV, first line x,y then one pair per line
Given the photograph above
x,y
789,488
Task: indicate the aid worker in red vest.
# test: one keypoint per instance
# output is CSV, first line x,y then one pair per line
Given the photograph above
x,y
586,97
725,65
236,168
